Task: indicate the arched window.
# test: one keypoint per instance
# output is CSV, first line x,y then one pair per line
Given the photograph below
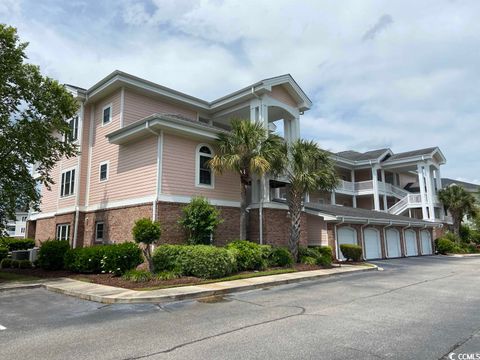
x,y
204,175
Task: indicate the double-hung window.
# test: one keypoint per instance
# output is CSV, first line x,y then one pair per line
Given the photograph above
x,y
107,114
99,231
67,186
204,172
103,170
63,232
73,124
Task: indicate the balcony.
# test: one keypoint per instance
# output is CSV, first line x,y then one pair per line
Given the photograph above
x,y
366,188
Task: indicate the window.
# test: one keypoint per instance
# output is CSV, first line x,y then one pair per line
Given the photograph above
x,y
24,218
99,231
107,114
68,183
204,173
103,171
63,231
22,230
73,124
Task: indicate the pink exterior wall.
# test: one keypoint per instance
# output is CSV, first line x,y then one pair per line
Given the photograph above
x,y
279,93
137,106
132,167
179,156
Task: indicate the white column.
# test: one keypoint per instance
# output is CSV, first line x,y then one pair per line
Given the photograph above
x,y
332,198
307,197
287,130
385,204
376,202
421,183
354,198
438,178
295,128
430,192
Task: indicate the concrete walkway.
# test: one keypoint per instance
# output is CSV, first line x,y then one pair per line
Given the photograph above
x,y
110,295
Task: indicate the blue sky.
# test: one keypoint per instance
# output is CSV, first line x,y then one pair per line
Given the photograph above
x,y
399,74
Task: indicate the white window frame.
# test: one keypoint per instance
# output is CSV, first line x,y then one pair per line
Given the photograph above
x,y
100,170
97,239
197,167
74,182
58,232
110,115
75,128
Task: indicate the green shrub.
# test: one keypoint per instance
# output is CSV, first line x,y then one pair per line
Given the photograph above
x,y
147,232
280,256
165,257
445,245
24,264
85,260
52,253
137,275
326,255
307,252
351,252
167,275
114,259
452,237
15,264
199,220
308,260
249,255
14,244
6,263
206,261
3,253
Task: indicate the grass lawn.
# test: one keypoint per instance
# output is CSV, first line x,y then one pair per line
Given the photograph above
x,y
8,277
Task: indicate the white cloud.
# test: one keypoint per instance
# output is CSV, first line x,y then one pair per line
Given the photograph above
x,y
402,74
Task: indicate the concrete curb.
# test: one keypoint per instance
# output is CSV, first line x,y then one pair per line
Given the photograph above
x,y
113,295
462,255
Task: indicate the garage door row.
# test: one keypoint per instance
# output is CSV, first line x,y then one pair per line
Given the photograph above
x,y
372,248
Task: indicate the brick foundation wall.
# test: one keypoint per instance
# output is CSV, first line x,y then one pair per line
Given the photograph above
x,y
276,227
46,228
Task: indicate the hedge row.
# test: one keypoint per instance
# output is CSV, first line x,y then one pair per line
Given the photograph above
x,y
211,262
13,244
316,255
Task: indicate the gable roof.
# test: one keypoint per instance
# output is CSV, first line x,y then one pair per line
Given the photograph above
x,y
368,155
466,185
407,154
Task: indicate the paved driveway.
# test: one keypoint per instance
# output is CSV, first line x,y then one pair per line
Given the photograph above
x,y
417,308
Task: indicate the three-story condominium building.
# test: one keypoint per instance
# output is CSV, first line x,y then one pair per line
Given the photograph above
x,y
144,151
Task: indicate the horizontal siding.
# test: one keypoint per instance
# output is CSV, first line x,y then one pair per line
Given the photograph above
x,y
137,107
279,93
132,167
179,172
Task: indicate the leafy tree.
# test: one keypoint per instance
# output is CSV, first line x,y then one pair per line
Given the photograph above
x,y
33,113
248,150
199,220
147,232
308,169
459,202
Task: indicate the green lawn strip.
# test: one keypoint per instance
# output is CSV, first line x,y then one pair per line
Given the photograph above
x,y
9,277
229,278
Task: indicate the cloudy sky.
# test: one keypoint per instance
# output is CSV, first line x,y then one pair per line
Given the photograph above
x,y
400,74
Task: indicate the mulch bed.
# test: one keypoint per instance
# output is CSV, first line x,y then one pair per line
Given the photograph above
x,y
118,281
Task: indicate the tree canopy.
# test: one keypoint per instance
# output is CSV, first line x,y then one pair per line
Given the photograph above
x,y
33,113
459,202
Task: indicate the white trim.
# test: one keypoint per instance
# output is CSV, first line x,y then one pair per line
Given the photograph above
x,y
90,147
102,123
75,184
197,166
122,106
158,186
96,239
106,162
79,157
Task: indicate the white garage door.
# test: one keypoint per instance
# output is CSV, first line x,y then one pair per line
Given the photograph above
x,y
411,242
372,244
426,242
346,235
393,243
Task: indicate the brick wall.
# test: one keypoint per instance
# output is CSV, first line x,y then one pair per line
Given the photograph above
x,y
46,228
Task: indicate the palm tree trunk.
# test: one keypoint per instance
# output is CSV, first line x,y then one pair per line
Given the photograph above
x,y
243,210
295,208
456,225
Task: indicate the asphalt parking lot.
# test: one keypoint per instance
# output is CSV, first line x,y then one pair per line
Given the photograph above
x,y
417,308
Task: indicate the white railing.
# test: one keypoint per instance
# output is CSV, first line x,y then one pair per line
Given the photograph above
x,y
364,185
411,200
345,186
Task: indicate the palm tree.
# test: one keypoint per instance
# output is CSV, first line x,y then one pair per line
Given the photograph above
x,y
248,149
309,169
459,202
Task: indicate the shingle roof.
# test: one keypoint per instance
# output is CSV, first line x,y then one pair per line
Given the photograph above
x,y
408,154
357,156
467,186
346,211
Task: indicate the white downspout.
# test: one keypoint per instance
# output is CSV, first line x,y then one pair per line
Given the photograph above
x,y
385,243
159,168
404,241
77,175
362,235
337,248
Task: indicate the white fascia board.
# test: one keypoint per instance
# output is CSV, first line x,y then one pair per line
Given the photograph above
x,y
325,216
